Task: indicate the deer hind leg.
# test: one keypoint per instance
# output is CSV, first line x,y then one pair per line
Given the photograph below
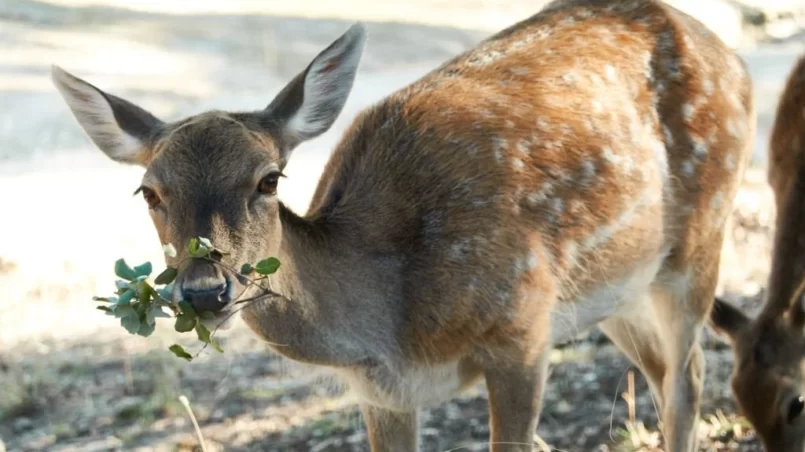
x,y
636,333
515,399
682,299
391,431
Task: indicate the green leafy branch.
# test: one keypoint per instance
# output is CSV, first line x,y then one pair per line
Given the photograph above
x,y
138,304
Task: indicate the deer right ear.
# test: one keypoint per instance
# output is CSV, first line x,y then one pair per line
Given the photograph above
x,y
309,105
119,128
726,319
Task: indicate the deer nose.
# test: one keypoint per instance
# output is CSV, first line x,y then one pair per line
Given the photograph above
x,y
207,299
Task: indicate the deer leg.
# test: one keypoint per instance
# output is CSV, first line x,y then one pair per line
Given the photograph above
x,y
515,399
636,334
391,431
682,302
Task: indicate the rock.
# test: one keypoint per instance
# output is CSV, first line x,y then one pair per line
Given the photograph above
x,y
22,424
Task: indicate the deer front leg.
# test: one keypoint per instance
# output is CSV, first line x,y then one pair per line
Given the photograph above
x,y
515,400
391,431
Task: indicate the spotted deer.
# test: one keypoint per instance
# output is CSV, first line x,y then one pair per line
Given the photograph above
x,y
572,170
768,377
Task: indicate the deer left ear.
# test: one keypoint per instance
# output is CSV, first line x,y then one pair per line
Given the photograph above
x,y
727,320
311,102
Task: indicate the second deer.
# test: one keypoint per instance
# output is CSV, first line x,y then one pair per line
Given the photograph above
x,y
768,378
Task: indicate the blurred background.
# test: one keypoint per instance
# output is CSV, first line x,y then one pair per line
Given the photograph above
x,y
71,379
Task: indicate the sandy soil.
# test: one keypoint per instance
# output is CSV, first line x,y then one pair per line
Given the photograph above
x,y
72,380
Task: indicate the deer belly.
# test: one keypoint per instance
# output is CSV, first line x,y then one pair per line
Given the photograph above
x,y
416,386
570,318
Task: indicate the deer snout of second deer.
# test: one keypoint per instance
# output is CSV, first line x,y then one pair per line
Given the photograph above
x,y
206,286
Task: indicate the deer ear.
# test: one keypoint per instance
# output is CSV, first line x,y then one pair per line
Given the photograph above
x,y
119,128
726,319
309,105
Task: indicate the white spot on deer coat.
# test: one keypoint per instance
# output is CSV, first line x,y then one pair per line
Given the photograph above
x,y
611,73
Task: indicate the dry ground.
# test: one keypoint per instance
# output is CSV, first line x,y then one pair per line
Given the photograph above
x,y
72,380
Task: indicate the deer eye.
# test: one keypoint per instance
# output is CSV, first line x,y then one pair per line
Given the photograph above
x,y
795,408
150,197
268,184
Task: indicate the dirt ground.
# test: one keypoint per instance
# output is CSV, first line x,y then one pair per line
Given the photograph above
x,y
72,380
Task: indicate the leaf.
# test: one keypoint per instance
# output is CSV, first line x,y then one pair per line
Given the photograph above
x,y
103,308
125,298
122,270
167,276
121,285
267,266
246,269
169,250
131,323
166,292
146,330
178,350
105,299
185,323
192,247
186,308
144,269
123,311
199,247
204,335
154,312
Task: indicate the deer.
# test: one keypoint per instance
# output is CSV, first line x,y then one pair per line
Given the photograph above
x,y
767,378
570,171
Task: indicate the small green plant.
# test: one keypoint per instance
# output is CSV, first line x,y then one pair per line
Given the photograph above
x,y
138,303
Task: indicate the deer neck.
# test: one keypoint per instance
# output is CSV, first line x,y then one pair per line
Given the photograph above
x,y
788,267
336,307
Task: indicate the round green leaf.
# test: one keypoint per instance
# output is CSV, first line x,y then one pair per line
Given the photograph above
x,y
146,329
131,323
154,312
267,266
186,308
246,269
185,323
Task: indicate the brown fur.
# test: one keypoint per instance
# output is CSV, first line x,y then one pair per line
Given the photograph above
x,y
574,169
770,349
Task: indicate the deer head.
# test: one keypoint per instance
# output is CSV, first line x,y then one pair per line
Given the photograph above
x,y
768,378
216,174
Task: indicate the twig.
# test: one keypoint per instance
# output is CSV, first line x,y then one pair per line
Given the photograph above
x,y
186,404
631,401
